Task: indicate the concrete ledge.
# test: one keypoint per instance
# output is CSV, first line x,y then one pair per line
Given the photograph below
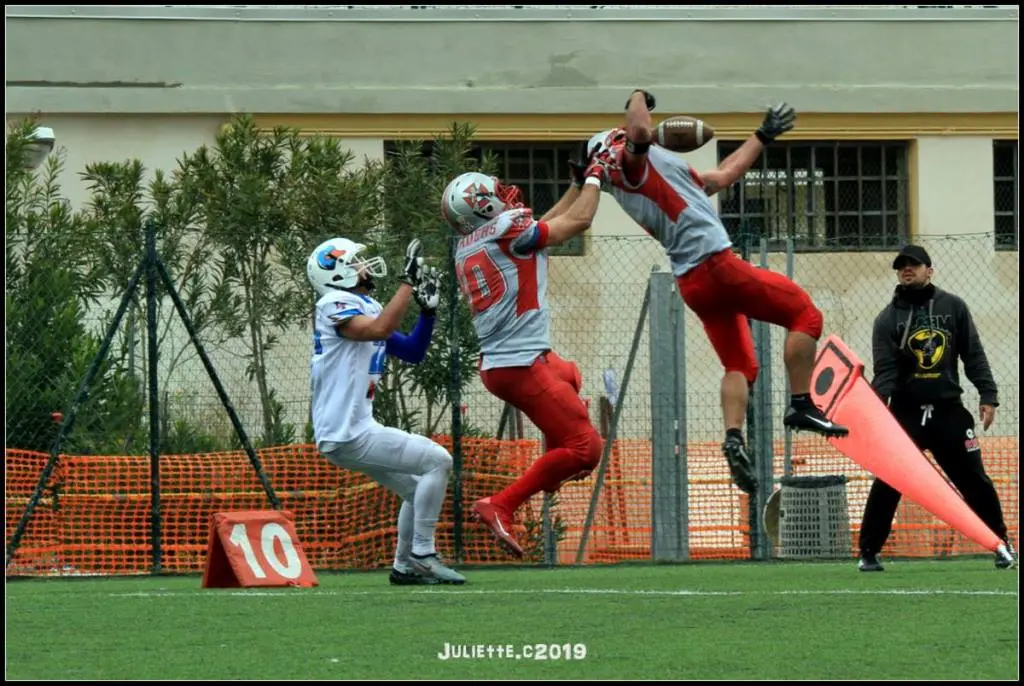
x,y
528,13
320,99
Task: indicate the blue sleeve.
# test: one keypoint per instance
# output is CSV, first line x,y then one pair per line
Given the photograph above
x,y
412,347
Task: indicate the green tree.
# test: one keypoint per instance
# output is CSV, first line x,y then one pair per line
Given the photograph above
x,y
119,203
52,283
265,199
418,397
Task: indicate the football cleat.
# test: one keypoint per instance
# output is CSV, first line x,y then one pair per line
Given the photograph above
x,y
499,522
869,563
430,566
740,465
411,578
811,419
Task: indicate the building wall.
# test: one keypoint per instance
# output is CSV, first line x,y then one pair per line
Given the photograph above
x,y
531,60
152,89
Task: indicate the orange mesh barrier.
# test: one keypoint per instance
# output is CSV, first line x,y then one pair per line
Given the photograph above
x,y
915,532
94,517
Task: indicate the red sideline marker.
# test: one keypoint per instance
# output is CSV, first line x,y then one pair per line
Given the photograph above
x,y
879,444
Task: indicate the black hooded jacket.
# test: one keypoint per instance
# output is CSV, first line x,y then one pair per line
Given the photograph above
x,y
917,341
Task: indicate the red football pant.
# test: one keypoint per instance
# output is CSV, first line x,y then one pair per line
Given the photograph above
x,y
548,393
723,291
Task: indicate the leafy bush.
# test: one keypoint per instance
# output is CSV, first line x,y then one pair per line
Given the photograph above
x,y
265,200
52,279
418,397
235,222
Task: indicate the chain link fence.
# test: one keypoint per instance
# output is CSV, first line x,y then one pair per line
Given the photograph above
x,y
98,498
102,355
851,292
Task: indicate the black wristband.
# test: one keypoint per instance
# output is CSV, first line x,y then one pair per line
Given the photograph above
x,y
637,148
761,136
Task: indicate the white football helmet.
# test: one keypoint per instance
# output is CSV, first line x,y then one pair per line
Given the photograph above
x,y
335,265
603,141
473,199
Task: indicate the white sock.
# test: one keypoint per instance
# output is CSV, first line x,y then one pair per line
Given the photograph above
x,y
405,529
430,492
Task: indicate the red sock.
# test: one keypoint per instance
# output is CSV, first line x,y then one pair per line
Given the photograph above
x,y
547,473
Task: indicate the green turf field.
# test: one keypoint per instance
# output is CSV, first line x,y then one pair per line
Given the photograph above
x,y
917,620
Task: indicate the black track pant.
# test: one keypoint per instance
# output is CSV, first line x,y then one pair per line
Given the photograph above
x,y
947,430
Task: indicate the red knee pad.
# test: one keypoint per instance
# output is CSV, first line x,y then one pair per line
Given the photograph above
x,y
587,449
588,453
809,322
585,456
749,370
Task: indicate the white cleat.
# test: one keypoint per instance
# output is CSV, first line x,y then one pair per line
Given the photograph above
x,y
430,566
1005,558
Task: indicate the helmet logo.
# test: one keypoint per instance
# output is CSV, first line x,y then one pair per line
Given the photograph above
x,y
477,196
328,257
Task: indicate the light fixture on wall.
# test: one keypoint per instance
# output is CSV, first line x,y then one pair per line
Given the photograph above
x,y
43,140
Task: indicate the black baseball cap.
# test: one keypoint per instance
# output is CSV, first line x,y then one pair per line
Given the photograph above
x,y
912,253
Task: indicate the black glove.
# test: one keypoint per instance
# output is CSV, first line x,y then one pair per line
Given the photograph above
x,y
413,270
777,121
428,292
577,172
648,98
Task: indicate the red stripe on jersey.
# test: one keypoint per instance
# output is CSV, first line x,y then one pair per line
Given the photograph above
x,y
696,177
656,189
527,297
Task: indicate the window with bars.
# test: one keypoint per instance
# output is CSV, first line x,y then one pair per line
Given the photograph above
x,y
825,195
541,170
1006,186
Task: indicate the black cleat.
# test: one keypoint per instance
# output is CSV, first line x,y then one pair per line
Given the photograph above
x,y
812,419
1006,563
869,563
412,578
740,465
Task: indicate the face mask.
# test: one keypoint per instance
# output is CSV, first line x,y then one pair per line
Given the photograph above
x,y
367,283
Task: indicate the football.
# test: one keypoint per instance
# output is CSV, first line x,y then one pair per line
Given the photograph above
x,y
683,134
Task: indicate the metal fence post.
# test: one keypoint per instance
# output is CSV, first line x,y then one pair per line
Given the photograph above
x,y
665,514
763,444
787,465
682,475
455,395
156,517
745,241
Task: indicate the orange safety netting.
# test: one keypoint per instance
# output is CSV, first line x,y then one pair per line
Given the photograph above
x,y
94,516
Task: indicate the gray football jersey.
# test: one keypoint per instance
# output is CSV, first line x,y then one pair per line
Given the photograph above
x,y
671,205
502,269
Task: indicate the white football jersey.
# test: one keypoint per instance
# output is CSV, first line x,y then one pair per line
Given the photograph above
x,y
671,205
343,372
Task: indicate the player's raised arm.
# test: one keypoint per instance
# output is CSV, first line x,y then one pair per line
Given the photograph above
x,y
363,328
577,175
639,129
567,199
777,121
639,135
580,216
412,347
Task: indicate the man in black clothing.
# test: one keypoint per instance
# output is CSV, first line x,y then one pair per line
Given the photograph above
x,y
917,341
